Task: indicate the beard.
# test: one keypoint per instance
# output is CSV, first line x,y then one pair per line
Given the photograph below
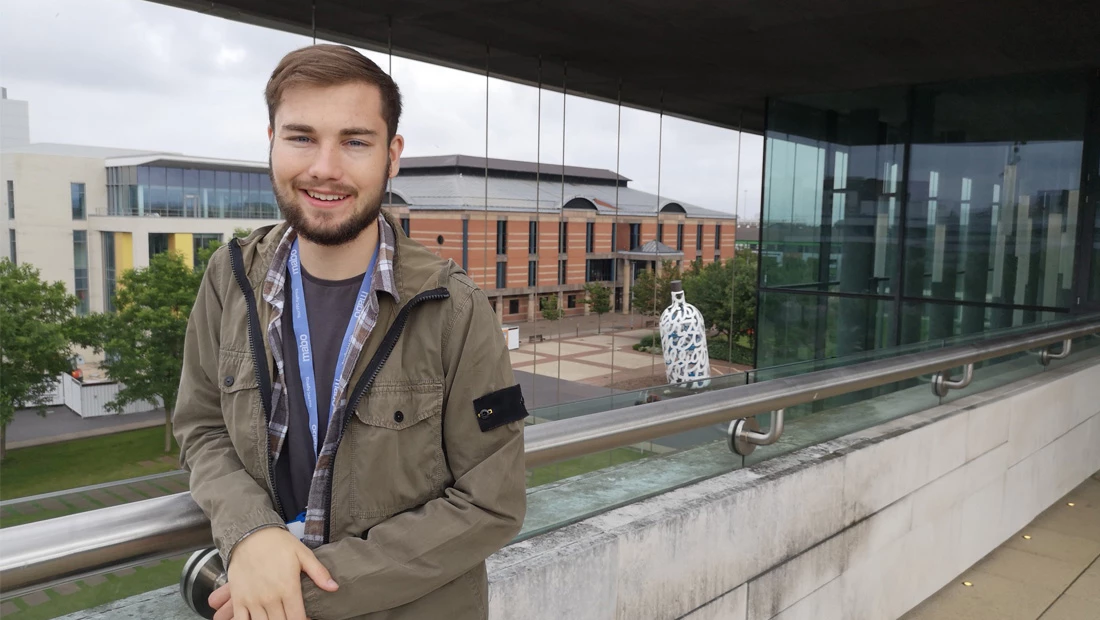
x,y
365,210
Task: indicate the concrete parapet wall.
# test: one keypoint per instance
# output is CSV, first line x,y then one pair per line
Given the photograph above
x,y
865,526
861,527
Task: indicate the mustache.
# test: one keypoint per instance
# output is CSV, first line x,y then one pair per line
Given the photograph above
x,y
328,187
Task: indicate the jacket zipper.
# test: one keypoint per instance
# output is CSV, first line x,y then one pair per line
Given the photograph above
x,y
368,377
258,352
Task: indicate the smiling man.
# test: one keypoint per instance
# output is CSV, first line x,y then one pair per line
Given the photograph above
x,y
347,408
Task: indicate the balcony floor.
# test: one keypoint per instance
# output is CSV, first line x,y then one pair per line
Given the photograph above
x,y
1053,575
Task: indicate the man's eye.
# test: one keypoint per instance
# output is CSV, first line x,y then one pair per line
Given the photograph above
x,y
299,139
356,143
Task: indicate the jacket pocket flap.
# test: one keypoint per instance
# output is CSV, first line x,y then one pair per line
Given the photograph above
x,y
399,406
236,371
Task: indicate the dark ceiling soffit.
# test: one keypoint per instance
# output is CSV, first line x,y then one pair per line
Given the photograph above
x,y
634,97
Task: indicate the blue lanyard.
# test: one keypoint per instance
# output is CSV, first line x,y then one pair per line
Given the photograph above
x,y
305,345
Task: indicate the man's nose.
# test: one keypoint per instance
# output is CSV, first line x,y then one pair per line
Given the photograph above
x,y
326,164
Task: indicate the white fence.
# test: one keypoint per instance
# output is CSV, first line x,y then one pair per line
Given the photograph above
x,y
89,400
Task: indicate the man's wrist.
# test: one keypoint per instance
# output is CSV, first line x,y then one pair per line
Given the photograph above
x,y
229,556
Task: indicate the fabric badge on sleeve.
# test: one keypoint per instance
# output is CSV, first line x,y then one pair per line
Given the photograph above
x,y
499,408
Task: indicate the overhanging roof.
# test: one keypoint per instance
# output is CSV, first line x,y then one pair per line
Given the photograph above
x,y
651,250
702,59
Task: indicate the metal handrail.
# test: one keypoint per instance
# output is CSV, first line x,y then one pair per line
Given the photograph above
x,y
63,548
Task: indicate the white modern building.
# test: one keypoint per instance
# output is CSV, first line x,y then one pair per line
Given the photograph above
x,y
83,214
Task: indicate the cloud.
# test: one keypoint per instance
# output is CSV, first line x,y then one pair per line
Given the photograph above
x,y
136,74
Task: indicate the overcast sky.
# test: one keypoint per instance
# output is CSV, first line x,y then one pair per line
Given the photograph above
x,y
134,74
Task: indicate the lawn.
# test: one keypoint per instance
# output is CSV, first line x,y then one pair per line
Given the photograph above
x,y
583,465
80,462
116,587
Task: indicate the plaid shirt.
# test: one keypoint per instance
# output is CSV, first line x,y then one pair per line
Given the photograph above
x,y
381,281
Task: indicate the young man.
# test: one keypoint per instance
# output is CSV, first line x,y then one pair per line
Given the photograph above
x,y
347,408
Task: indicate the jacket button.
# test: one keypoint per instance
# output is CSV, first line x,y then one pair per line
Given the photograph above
x,y
398,417
229,381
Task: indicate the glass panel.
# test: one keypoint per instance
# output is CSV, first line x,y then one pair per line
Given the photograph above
x,y
80,269
832,178
158,243
220,206
190,193
796,327
156,195
207,193
109,271
236,198
1094,277
923,320
76,191
175,192
995,196
267,196
566,492
1013,368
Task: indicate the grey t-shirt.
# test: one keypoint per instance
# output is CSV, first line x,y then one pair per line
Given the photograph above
x,y
329,307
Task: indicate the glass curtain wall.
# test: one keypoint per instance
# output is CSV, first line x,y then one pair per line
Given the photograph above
x,y
903,215
186,192
830,225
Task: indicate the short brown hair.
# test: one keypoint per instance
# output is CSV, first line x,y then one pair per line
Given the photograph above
x,y
332,65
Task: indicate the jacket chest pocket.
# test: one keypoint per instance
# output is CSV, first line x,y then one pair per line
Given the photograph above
x,y
396,449
240,401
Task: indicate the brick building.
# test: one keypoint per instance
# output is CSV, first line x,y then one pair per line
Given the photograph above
x,y
523,232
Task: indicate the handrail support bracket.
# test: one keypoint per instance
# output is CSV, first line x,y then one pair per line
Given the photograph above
x,y
942,383
744,434
1047,356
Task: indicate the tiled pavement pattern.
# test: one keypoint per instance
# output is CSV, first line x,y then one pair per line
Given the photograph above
x,y
1050,570
595,359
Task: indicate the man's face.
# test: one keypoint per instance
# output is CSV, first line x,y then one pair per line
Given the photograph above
x,y
330,160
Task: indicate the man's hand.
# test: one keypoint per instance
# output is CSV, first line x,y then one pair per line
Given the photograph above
x,y
218,602
265,575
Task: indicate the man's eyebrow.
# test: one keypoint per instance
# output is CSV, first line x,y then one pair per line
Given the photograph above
x,y
299,128
358,131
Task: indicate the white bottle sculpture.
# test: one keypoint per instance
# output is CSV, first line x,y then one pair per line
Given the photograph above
x,y
684,340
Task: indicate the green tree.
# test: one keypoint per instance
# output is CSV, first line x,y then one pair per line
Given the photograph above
x,y
204,253
143,340
652,293
34,340
549,307
725,293
598,300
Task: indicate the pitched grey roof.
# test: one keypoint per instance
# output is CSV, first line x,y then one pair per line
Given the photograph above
x,y
655,247
457,190
507,165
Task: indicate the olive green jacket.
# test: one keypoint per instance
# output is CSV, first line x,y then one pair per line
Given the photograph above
x,y
421,494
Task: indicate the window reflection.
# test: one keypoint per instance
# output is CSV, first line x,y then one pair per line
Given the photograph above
x,y
162,191
987,201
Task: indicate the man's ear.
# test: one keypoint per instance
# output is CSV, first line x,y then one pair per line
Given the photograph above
x,y
397,145
270,133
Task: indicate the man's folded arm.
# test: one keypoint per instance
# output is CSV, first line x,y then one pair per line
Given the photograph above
x,y
235,503
413,553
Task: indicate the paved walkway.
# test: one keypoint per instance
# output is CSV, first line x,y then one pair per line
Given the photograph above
x,y
607,360
62,424
1050,570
